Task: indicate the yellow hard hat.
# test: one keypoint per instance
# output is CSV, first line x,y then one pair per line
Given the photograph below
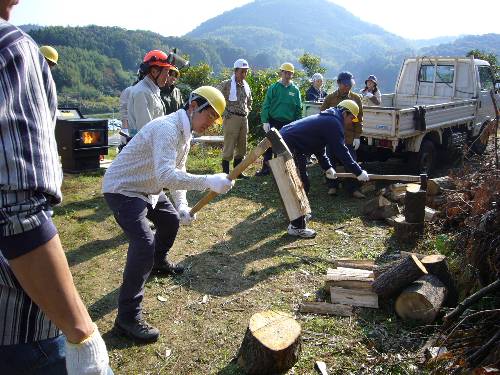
x,y
214,97
50,53
174,69
351,106
288,67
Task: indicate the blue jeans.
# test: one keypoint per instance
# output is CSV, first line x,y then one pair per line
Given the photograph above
x,y
45,357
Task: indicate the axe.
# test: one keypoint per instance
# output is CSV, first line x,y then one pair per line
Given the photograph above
x,y
391,177
273,139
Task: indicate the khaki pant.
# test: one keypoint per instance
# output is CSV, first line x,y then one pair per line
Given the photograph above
x,y
235,137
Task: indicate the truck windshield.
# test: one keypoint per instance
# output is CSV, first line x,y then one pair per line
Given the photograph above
x,y
486,78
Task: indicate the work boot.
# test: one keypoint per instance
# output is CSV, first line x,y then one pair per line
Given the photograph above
x,y
332,191
358,194
299,232
225,166
264,171
137,329
166,267
235,164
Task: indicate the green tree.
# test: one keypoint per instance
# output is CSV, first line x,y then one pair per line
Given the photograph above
x,y
490,57
311,64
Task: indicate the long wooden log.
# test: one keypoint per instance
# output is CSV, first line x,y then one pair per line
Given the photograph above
x,y
386,177
271,345
354,297
436,265
362,264
395,279
349,278
422,300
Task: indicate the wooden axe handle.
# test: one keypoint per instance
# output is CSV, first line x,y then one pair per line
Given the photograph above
x,y
390,177
249,159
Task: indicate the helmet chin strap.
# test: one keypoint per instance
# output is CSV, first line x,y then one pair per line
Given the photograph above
x,y
192,97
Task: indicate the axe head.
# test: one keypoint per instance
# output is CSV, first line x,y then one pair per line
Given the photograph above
x,y
278,143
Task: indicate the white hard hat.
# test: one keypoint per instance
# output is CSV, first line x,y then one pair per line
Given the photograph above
x,y
241,63
316,77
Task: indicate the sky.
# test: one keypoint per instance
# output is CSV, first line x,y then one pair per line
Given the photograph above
x,y
414,19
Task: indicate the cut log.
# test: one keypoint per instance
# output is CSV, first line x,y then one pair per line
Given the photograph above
x,y
354,297
435,201
430,214
422,300
368,187
407,232
379,208
362,264
436,265
436,186
324,308
348,278
290,187
395,279
398,188
415,200
271,345
379,269
403,254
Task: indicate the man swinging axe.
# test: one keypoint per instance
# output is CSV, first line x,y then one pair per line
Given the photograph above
x,y
311,135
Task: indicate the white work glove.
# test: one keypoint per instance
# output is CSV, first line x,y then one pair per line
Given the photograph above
x,y
368,94
219,183
356,143
185,216
331,174
89,357
363,176
266,126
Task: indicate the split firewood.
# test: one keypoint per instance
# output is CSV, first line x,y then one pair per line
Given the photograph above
x,y
395,279
324,308
414,204
430,214
422,300
380,208
362,264
349,278
436,265
407,232
271,345
436,186
354,297
408,253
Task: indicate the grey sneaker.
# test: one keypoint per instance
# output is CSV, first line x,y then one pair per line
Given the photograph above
x,y
138,330
299,232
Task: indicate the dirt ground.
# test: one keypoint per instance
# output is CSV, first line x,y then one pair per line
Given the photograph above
x,y
239,260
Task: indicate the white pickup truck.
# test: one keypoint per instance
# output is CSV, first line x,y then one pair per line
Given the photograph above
x,y
440,104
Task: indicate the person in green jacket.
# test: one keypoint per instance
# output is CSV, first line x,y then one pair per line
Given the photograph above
x,y
282,105
170,95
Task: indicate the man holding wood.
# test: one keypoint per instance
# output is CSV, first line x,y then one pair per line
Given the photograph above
x,y
153,160
311,135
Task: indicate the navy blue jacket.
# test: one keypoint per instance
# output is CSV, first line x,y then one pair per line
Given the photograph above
x,y
311,134
315,95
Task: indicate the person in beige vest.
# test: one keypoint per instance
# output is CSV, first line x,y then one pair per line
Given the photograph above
x,y
239,104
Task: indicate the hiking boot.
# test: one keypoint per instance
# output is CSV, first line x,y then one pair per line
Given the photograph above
x,y
138,330
299,232
166,267
358,194
332,191
265,171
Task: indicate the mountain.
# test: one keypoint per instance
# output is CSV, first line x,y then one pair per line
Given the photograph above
x,y
273,31
488,43
422,43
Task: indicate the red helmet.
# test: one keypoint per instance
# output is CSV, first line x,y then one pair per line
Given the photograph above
x,y
156,58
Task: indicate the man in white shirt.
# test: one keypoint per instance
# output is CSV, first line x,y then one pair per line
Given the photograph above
x,y
144,102
155,159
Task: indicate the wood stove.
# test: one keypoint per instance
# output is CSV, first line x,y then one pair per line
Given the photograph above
x,y
80,141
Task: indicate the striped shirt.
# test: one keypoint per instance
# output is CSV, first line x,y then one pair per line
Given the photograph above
x,y
30,175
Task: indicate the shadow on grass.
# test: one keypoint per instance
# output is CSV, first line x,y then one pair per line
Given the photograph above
x,y
92,249
104,305
96,203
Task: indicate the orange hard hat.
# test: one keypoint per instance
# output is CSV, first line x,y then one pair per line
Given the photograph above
x,y
156,58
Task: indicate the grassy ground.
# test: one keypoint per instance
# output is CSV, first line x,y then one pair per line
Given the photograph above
x,y
239,260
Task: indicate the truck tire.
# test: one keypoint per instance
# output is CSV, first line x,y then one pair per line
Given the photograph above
x,y
477,146
424,161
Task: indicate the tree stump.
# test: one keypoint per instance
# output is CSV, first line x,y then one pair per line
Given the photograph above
x,y
436,185
415,200
406,232
436,265
422,300
398,277
271,345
